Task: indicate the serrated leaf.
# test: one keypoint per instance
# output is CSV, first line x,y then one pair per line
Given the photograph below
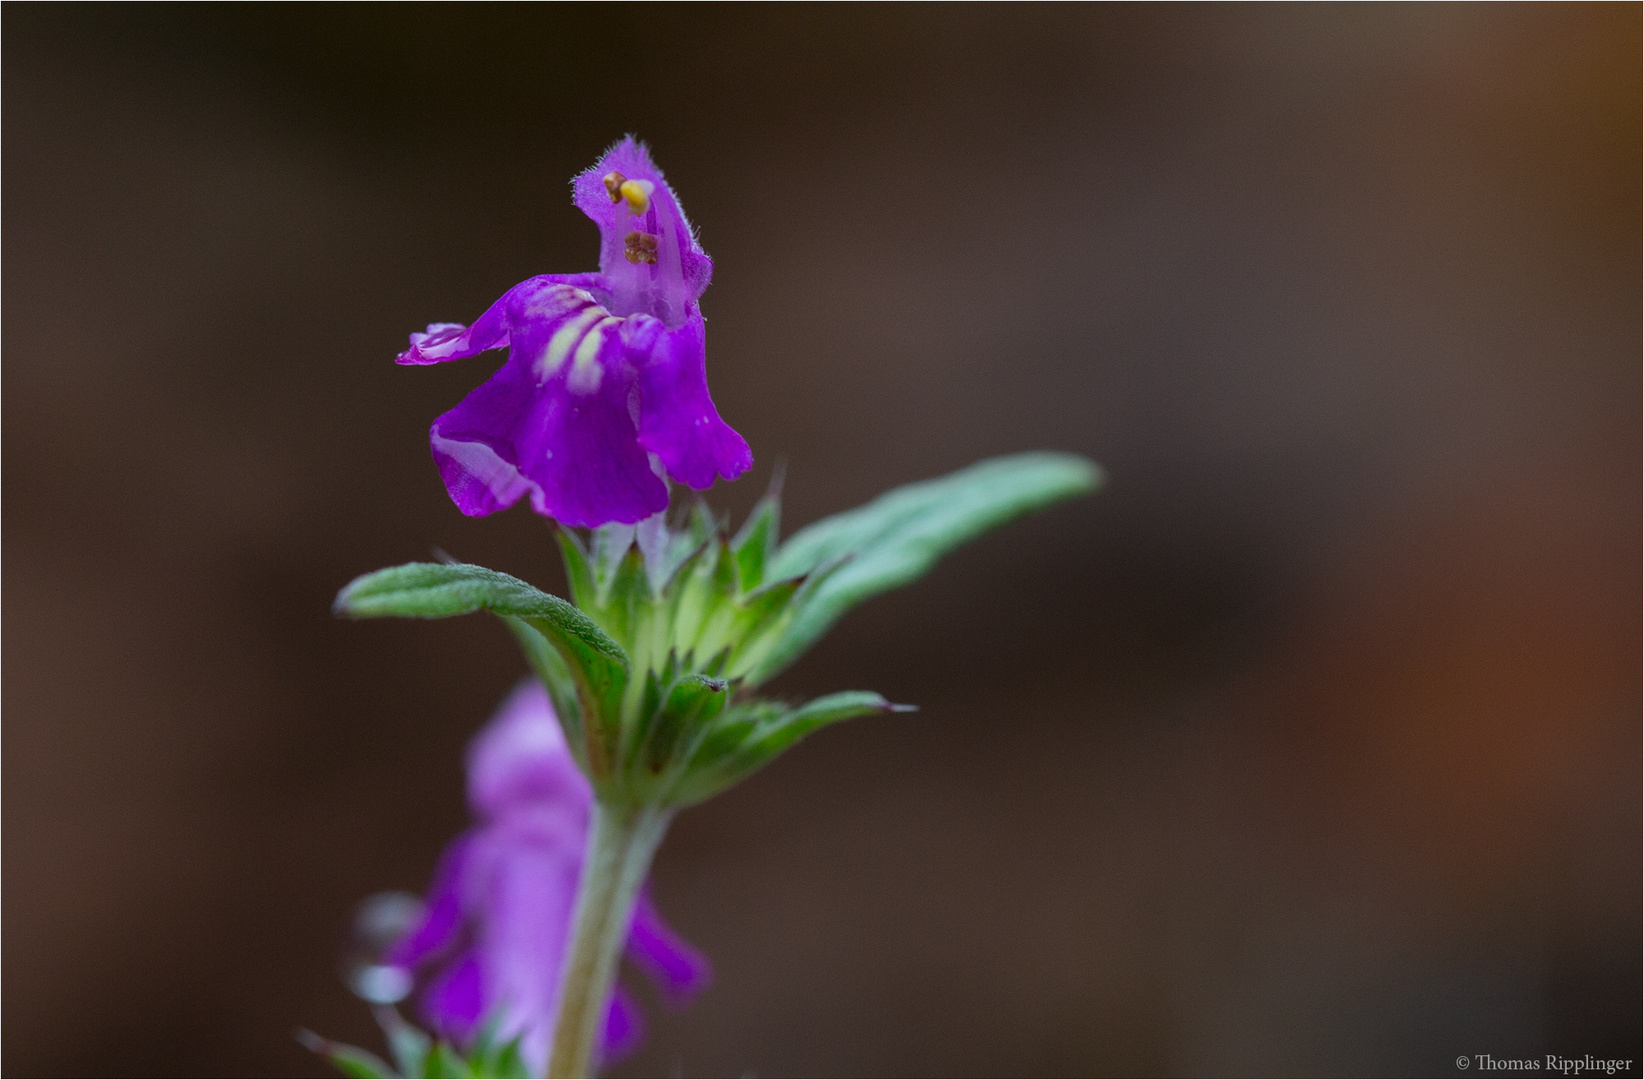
x,y
898,537
597,665
349,1060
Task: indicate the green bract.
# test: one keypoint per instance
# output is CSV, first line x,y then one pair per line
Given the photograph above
x,y
652,670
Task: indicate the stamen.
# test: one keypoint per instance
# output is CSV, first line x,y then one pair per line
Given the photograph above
x,y
613,185
639,247
637,193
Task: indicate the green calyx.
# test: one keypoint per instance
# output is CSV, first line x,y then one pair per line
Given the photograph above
x,y
652,670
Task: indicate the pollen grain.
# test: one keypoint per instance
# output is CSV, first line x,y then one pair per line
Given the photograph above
x,y
639,247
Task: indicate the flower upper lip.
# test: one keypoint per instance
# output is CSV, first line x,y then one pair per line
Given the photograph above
x,y
663,270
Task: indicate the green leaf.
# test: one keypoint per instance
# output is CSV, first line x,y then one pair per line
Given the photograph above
x,y
597,665
349,1060
782,733
751,736
898,537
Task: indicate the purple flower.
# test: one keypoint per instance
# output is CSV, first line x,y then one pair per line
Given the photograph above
x,y
606,382
497,922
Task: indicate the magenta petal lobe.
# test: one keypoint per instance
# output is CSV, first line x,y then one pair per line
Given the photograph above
x,y
677,419
454,1002
624,1028
677,967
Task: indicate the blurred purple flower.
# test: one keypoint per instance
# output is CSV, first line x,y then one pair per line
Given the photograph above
x,y
606,383
497,921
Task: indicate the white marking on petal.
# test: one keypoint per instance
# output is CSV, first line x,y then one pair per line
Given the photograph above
x,y
564,339
559,298
479,461
586,370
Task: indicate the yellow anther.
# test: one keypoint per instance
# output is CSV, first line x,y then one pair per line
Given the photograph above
x,y
637,194
613,185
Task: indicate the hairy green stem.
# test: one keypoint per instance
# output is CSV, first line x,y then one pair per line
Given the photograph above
x,y
620,846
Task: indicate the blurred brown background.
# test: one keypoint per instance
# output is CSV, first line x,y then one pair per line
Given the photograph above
x,y
1311,745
